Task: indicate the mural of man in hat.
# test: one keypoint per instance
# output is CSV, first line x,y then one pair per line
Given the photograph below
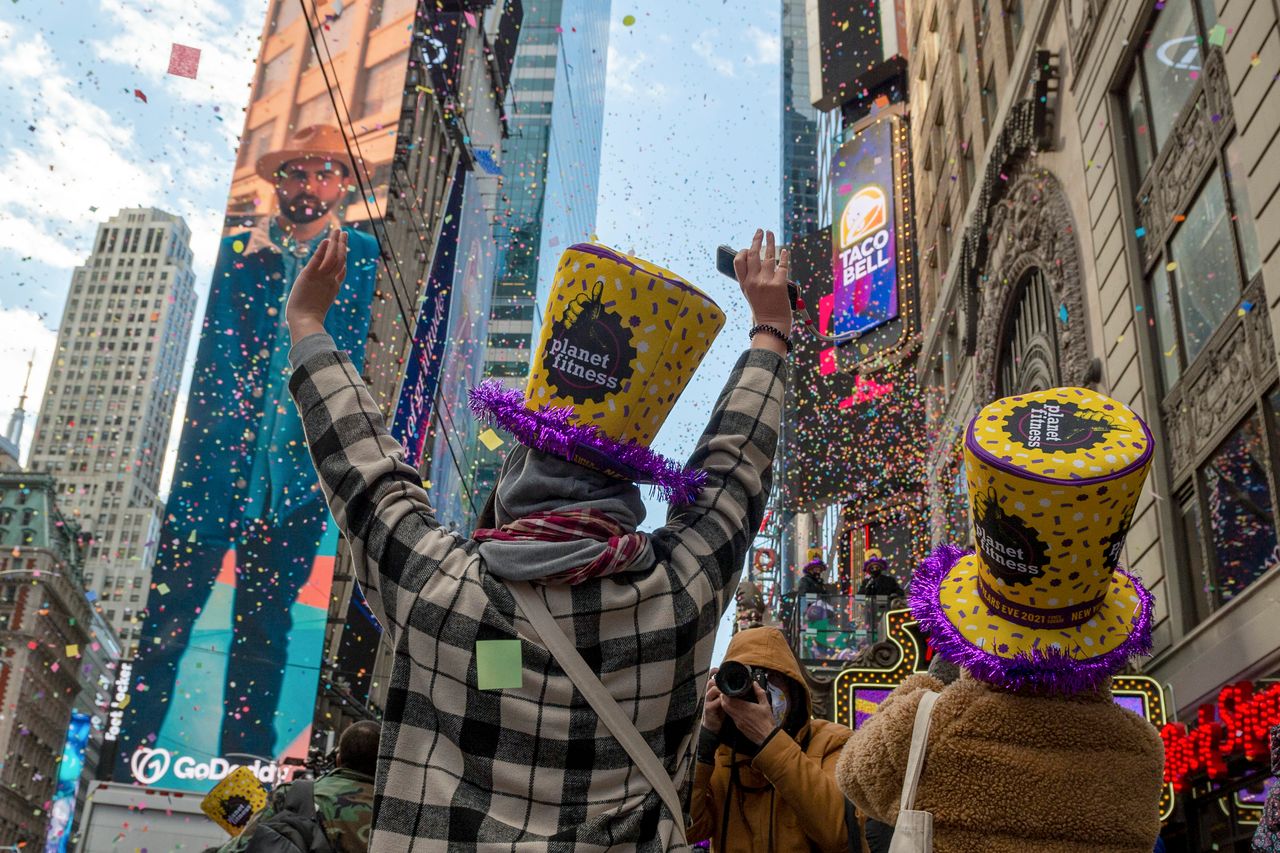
x,y
1028,750
486,739
244,490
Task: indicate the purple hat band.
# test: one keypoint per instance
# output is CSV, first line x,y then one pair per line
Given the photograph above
x,y
554,430
1048,671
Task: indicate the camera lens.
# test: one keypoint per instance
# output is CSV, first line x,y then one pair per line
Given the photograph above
x,y
734,680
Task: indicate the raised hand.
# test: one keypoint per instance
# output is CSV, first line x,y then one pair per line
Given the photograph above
x,y
317,287
764,281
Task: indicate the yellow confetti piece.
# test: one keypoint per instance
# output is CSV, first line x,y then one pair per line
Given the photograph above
x,y
628,20
491,439
1171,266
162,588
73,650
237,246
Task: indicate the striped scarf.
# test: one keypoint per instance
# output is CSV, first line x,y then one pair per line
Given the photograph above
x,y
622,551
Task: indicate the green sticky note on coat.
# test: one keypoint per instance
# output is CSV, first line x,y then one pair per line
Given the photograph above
x,y
499,665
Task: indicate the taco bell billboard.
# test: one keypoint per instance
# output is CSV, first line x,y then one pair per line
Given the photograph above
x,y
864,230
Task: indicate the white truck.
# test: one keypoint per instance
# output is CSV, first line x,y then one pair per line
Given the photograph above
x,y
125,818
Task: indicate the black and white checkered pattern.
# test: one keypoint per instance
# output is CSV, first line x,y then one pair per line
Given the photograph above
x,y
533,768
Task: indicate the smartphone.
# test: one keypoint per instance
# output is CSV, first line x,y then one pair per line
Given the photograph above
x,y
724,264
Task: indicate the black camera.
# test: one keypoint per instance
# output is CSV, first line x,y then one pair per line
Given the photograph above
x,y
738,681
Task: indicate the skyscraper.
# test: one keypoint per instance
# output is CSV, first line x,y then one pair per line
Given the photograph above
x,y
108,406
551,165
799,184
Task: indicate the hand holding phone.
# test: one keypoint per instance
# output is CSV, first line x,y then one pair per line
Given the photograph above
x,y
724,264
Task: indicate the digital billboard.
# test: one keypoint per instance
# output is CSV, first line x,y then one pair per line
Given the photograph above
x,y
63,806
232,639
848,436
855,46
864,230
463,365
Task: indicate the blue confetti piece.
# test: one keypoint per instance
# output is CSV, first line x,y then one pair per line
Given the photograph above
x,y
1062,313
1140,232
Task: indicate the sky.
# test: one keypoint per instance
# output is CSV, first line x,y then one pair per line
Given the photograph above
x,y
690,155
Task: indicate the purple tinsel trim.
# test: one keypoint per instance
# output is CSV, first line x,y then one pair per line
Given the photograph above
x,y
1050,671
553,430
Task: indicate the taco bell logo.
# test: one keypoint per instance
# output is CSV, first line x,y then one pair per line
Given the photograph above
x,y
150,765
864,233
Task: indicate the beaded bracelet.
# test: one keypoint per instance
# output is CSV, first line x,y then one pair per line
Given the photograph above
x,y
773,330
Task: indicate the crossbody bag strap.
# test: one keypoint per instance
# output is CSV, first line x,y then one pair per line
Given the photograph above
x,y
608,709
915,759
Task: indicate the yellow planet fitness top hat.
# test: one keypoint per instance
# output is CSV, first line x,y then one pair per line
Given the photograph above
x,y
1042,605
621,338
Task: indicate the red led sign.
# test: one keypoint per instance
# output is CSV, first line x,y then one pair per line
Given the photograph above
x,y
1237,725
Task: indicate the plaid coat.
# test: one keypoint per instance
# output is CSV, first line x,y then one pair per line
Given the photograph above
x,y
533,768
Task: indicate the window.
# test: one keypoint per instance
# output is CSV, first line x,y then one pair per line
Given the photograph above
x,y
286,13
990,99
256,143
274,72
1166,328
1206,281
383,86
1165,74
385,12
1242,211
1014,22
336,35
318,110
1240,513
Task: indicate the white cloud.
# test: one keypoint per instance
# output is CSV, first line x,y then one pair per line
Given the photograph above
x,y
714,57
627,72
82,160
225,33
22,332
760,48
765,47
28,240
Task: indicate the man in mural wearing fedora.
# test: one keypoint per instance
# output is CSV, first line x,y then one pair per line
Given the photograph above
x,y
244,490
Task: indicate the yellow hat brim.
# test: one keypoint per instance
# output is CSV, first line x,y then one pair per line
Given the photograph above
x,y
982,628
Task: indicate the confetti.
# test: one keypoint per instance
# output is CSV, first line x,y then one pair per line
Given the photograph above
x,y
628,20
491,439
184,61
1139,233
140,95
1171,266
1218,35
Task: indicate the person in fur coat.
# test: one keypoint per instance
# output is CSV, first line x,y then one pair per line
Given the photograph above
x,y
1026,750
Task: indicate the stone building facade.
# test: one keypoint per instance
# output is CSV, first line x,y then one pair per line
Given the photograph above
x,y
108,408
1095,192
51,649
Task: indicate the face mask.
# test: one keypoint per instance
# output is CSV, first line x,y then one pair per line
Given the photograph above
x,y
778,702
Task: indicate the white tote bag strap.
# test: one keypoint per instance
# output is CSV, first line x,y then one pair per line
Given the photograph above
x,y
915,759
535,610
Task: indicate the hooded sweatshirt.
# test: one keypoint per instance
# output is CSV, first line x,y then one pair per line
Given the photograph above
x,y
784,798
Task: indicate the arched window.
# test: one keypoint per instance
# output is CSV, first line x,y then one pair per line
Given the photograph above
x,y
1029,341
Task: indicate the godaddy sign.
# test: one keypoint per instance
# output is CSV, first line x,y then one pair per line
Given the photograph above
x,y
152,765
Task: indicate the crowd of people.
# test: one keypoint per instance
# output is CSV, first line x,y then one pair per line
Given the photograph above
x,y
552,688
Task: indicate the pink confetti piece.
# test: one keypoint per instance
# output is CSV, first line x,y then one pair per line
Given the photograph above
x,y
184,61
